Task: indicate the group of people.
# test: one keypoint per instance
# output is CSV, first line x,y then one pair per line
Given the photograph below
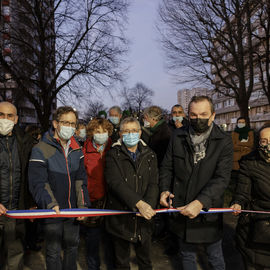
x,y
125,164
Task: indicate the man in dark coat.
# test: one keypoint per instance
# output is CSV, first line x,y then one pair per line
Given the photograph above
x,y
115,116
15,148
194,175
178,118
132,180
160,132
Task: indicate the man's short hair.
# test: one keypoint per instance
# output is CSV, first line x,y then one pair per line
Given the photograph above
x,y
177,106
116,108
154,112
239,118
129,120
265,125
63,110
196,99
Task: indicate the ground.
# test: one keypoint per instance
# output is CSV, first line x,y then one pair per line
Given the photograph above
x,y
36,260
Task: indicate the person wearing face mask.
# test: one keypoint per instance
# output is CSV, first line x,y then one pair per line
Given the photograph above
x,y
253,192
243,142
131,175
80,133
194,175
58,180
15,148
159,129
97,144
115,116
178,118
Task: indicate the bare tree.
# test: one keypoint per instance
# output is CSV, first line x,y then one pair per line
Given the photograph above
x,y
261,36
63,45
214,40
93,109
136,98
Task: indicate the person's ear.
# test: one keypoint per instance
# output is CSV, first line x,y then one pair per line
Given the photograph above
x,y
55,124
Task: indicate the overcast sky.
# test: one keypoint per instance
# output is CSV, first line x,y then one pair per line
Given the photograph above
x,y
145,55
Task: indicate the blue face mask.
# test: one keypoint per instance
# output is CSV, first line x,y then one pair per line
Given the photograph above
x,y
131,139
178,118
114,120
101,138
66,132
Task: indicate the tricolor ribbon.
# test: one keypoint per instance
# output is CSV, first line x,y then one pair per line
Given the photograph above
x,y
71,213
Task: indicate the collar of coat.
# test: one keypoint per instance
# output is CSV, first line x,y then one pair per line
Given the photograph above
x,y
142,146
49,139
216,132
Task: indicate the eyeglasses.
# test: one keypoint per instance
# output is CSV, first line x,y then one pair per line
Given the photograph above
x,y
67,123
130,131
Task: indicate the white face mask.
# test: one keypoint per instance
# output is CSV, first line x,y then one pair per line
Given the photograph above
x,y
241,125
101,138
6,126
66,133
146,123
82,133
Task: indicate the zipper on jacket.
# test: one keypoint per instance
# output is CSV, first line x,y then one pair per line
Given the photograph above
x,y
69,181
10,175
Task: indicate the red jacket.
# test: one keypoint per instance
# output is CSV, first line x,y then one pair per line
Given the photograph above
x,y
94,163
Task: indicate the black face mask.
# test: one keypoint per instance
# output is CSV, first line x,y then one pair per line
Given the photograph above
x,y
199,125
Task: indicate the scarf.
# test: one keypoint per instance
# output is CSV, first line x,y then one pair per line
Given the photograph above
x,y
199,143
243,132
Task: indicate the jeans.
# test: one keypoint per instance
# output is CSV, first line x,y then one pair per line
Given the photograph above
x,y
213,250
93,236
66,232
11,255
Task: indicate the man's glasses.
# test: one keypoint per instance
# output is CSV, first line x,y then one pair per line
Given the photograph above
x,y
68,124
125,131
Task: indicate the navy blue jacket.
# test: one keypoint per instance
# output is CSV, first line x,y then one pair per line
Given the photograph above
x,y
57,179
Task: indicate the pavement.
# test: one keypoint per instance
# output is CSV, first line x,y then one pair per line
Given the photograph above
x,y
36,260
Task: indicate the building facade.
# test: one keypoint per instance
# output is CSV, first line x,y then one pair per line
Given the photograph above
x,y
16,27
184,96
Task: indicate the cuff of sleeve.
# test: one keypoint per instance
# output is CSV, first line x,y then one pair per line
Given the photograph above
x,y
205,201
51,205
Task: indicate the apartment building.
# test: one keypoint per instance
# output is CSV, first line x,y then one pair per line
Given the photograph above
x,y
226,108
184,95
12,20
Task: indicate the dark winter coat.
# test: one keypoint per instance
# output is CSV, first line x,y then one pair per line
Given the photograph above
x,y
129,182
159,140
253,192
205,181
14,155
115,134
172,126
57,179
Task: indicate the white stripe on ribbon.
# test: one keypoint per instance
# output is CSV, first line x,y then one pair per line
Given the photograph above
x,y
44,213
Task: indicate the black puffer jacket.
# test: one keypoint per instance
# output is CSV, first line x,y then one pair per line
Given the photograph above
x,y
253,192
14,155
206,181
129,182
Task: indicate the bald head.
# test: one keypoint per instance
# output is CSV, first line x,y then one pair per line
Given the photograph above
x,y
8,111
